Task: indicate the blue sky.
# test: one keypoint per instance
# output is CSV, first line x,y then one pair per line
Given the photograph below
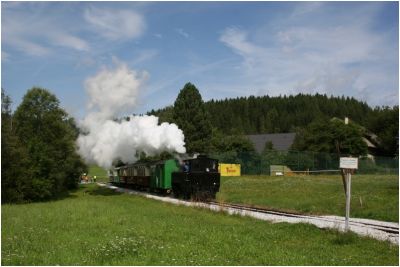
x,y
227,49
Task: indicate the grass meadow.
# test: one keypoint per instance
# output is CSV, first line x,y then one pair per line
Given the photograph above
x,y
100,173
97,226
372,196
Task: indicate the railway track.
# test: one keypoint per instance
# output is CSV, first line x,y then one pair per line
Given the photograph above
x,y
386,231
381,226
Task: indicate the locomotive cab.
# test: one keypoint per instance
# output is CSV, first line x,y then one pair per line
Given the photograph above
x,y
198,178
203,164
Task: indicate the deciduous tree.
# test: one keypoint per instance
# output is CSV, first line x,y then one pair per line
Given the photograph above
x,y
331,136
46,132
14,157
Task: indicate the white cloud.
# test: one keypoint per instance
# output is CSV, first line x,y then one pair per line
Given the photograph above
x,y
237,40
69,41
27,46
305,8
145,55
40,29
182,32
37,35
190,72
85,61
115,24
334,59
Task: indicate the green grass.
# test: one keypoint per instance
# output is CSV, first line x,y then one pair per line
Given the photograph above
x,y
95,226
101,174
372,196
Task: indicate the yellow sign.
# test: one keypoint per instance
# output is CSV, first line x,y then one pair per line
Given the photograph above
x,y
227,169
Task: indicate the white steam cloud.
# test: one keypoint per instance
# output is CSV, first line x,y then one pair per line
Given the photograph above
x,y
112,92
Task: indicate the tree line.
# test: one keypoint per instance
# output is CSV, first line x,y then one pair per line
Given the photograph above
x,y
241,116
39,159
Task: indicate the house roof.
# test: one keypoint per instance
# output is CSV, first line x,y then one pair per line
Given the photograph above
x,y
280,141
369,144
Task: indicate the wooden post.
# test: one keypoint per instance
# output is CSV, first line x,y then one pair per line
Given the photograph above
x,y
347,166
348,197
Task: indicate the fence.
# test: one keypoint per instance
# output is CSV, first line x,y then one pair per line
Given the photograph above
x,y
254,163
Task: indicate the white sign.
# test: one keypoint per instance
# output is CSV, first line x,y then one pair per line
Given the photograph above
x,y
348,163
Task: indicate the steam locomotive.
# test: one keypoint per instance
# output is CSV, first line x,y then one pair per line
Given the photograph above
x,y
191,178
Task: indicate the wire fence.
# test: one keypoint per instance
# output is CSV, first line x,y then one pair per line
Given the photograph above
x,y
303,162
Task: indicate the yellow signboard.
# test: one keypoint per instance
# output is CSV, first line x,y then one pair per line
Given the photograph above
x,y
227,169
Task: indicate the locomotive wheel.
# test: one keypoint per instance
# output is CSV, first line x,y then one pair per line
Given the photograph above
x,y
186,196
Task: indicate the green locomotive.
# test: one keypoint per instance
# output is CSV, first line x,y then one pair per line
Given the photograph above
x,y
190,178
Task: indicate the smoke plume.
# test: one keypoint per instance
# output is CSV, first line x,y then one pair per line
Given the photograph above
x,y
112,93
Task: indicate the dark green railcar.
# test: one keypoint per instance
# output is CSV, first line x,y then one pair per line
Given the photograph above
x,y
161,175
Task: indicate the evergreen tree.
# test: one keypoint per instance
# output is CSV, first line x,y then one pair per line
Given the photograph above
x,y
190,115
164,115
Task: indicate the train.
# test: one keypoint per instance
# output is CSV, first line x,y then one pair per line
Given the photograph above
x,y
191,178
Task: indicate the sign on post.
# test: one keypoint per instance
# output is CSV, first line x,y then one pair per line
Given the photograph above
x,y
349,165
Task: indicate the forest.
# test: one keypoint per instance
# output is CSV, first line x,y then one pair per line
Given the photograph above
x,y
283,114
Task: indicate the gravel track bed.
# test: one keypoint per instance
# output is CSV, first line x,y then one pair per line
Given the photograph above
x,y
364,227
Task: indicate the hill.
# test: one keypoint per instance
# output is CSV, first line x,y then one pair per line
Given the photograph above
x,y
284,114
265,114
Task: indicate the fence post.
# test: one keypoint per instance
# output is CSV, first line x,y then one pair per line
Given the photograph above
x,y
313,162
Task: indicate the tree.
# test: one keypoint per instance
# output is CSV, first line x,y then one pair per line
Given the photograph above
x,y
48,135
164,115
223,143
269,156
235,149
332,136
14,157
384,122
190,115
268,146
264,114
